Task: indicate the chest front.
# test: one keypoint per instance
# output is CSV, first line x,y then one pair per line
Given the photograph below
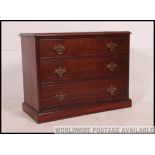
x,y
72,74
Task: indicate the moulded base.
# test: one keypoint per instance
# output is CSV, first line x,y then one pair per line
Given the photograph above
x,y
74,111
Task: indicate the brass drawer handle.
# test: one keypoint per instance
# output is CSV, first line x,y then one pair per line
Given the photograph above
x,y
60,96
112,66
59,49
60,71
111,46
112,90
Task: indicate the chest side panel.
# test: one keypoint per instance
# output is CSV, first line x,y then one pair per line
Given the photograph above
x,y
30,77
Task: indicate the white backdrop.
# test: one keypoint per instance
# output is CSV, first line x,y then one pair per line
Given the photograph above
x,y
141,74
142,37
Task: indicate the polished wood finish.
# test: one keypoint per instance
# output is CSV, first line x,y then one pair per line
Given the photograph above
x,y
75,34
85,92
82,68
30,77
83,46
74,111
72,74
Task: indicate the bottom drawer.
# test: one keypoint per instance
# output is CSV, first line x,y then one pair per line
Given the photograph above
x,y
83,92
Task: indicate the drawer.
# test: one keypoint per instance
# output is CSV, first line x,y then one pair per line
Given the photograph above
x,y
84,92
83,46
82,68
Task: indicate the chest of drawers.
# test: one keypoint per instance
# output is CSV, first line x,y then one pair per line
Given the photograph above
x,y
72,74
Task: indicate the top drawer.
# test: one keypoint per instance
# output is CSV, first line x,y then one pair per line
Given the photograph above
x,y
104,46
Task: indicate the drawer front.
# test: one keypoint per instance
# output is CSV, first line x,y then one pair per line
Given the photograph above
x,y
82,68
83,46
84,92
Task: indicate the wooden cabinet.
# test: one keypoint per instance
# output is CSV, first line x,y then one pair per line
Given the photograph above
x,y
72,74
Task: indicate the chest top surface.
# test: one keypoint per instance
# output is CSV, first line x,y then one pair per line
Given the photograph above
x,y
110,33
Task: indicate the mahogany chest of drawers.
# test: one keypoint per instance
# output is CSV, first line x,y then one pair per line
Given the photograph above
x,y
72,74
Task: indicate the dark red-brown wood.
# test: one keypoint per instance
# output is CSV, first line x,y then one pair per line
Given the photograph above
x,y
82,68
83,92
86,79
75,111
30,77
83,46
77,34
